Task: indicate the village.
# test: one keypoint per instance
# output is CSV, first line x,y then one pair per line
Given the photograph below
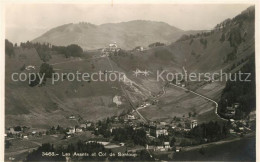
x,y
159,137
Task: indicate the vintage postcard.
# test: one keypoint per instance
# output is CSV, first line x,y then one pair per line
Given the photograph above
x,y
129,81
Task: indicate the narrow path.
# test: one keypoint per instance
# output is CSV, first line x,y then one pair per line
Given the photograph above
x,y
131,103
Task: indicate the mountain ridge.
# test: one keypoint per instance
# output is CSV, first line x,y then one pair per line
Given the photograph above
x,y
128,34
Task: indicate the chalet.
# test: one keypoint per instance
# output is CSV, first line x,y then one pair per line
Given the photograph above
x,y
84,126
78,130
186,129
173,125
178,149
241,128
160,148
160,130
88,125
71,131
72,117
193,124
163,123
130,117
147,104
167,145
139,48
34,132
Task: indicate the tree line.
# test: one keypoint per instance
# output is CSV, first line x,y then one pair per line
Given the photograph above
x,y
45,50
241,92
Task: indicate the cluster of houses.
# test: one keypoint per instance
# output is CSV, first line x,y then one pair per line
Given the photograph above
x,y
111,49
239,126
182,125
78,129
165,147
155,129
22,132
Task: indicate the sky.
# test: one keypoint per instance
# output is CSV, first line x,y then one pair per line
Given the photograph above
x,y
27,21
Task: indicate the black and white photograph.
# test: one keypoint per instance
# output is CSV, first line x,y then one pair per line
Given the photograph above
x,y
129,81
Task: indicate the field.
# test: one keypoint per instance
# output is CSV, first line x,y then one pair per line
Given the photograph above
x,y
20,147
177,102
240,150
35,106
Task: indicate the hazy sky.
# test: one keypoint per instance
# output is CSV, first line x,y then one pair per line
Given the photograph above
x,y
27,21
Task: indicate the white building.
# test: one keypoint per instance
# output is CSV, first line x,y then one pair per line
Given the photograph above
x,y
130,117
161,131
83,126
72,117
193,124
71,131
167,145
89,125
78,130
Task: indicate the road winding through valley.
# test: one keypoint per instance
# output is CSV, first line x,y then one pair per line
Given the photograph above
x,y
206,98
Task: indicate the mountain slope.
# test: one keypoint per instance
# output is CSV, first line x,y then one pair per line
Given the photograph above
x,y
227,47
127,34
